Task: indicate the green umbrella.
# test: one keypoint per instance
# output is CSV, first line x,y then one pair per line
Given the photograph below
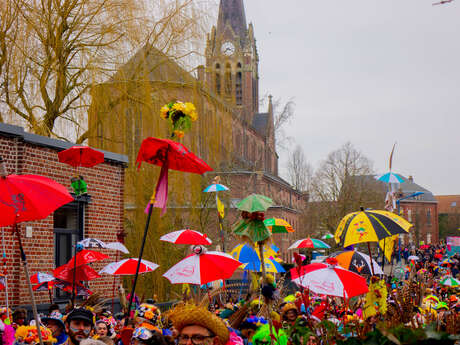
x,y
255,230
450,281
255,203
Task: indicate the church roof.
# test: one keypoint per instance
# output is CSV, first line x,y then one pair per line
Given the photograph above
x,y
232,12
260,123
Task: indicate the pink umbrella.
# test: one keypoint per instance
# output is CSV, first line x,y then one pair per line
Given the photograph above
x,y
128,267
202,267
329,279
186,236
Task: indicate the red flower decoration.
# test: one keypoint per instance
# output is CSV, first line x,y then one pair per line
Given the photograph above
x,y
332,261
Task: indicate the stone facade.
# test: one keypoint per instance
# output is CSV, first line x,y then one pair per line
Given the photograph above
x,y
102,216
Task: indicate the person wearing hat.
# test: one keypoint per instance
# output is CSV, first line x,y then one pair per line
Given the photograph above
x,y
198,326
78,325
289,313
56,325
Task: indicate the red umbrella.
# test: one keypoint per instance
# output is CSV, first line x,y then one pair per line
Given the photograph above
x,y
29,197
86,256
202,267
186,236
41,277
82,273
62,285
329,279
81,156
128,267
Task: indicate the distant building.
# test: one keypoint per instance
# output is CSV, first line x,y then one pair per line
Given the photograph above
x,y
449,215
420,210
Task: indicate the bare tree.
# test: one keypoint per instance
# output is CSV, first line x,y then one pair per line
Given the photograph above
x,y
64,48
300,172
343,182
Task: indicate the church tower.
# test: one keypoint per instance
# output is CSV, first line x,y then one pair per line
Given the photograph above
x,y
232,60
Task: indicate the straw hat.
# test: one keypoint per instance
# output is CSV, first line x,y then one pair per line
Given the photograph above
x,y
187,315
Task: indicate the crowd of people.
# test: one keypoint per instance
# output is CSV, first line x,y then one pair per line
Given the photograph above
x,y
271,314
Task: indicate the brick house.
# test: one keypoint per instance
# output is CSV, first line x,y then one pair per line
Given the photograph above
x,y
421,211
48,243
449,215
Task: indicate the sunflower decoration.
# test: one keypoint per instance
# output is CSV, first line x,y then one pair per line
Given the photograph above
x,y
180,116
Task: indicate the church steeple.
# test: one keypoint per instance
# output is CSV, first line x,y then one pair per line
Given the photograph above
x,y
232,12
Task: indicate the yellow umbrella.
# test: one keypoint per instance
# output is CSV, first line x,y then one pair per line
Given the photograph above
x,y
369,226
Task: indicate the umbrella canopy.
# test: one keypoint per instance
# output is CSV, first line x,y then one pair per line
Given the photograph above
x,y
357,262
128,267
215,187
62,285
95,243
255,203
331,280
156,151
82,273
41,277
271,265
390,178
81,156
450,281
327,236
202,268
29,197
86,256
369,226
187,236
413,257
278,225
255,230
245,253
309,243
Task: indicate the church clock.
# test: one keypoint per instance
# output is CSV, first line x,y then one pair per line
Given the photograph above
x,y
227,48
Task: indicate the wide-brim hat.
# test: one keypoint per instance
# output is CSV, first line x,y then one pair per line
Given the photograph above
x,y
186,315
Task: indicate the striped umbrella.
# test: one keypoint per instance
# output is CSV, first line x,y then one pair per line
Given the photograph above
x,y
450,281
128,267
369,226
186,236
278,225
309,243
215,187
357,262
390,178
271,265
246,254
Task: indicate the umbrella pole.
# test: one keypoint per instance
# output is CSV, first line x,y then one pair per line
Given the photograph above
x,y
29,284
383,255
74,276
113,287
131,297
262,262
370,258
51,297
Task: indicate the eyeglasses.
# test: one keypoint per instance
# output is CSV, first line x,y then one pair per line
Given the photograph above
x,y
196,339
142,333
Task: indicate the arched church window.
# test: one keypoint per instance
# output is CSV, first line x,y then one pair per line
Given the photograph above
x,y
239,85
218,83
228,79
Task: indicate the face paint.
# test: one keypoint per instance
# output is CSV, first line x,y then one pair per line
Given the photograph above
x,y
76,330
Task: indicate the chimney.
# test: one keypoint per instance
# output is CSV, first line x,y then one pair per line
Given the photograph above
x,y
411,179
200,73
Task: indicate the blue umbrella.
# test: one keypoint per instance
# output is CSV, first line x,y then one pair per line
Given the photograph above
x,y
215,187
271,265
390,178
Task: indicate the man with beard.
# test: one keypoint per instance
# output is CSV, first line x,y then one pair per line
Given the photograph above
x,y
78,325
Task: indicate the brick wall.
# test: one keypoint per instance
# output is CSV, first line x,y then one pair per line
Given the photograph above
x,y
103,215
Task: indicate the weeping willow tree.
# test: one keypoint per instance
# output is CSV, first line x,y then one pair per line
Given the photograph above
x,y
54,51
124,111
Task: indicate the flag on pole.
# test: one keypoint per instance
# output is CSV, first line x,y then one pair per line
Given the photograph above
x,y
389,243
220,207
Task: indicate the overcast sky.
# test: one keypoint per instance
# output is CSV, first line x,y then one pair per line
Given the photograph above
x,y
371,72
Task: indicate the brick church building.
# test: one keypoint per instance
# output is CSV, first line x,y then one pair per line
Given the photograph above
x,y
232,134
